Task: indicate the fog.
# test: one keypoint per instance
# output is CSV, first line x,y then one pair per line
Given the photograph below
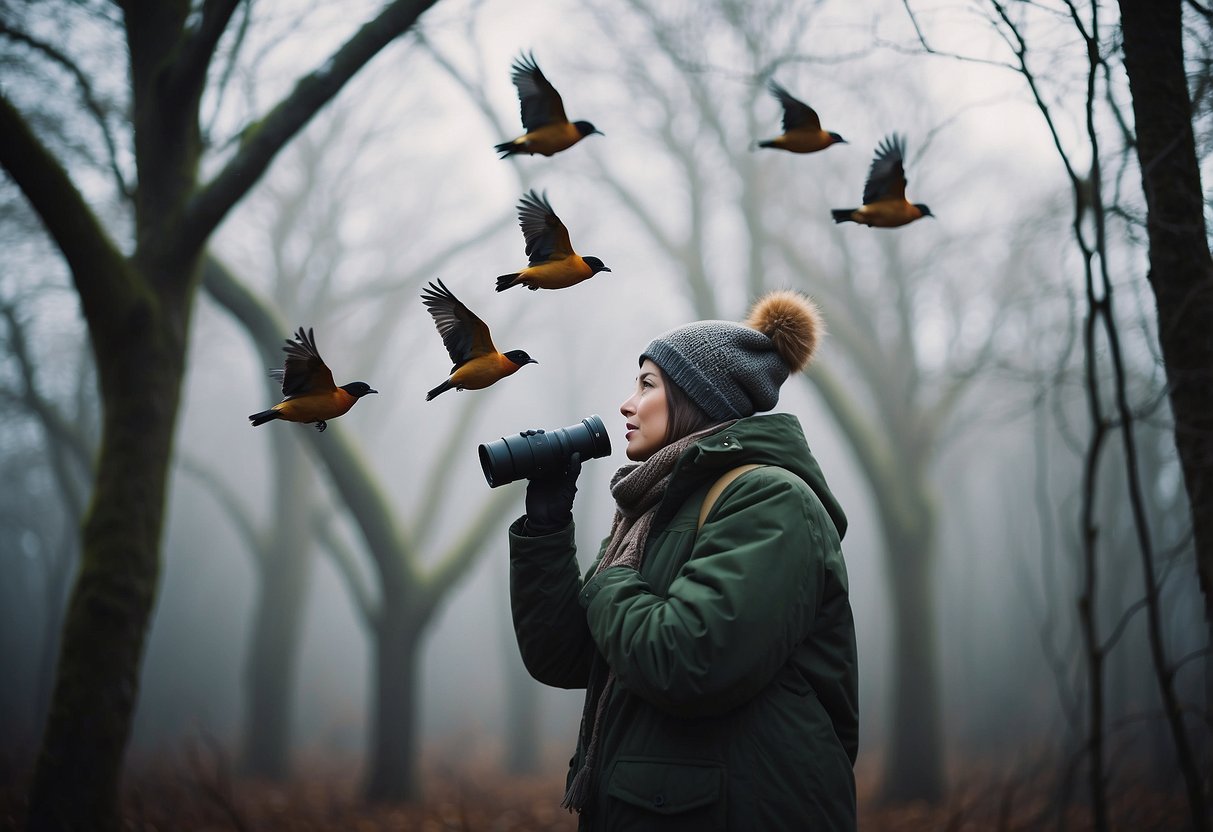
x,y
394,184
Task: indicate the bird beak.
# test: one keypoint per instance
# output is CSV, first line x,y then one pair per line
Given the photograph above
x,y
599,132
372,391
604,269
532,361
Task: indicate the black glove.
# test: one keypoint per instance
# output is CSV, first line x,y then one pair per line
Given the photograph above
x,y
549,499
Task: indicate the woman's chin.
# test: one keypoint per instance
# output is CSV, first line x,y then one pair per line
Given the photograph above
x,y
637,454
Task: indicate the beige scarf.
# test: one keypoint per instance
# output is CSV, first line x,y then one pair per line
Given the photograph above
x,y
637,489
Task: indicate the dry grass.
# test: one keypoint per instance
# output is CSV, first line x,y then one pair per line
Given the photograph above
x,y
192,791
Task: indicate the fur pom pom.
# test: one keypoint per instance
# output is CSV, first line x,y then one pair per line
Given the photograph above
x,y
793,322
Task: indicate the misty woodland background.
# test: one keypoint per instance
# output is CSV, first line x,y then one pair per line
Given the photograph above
x,y
279,629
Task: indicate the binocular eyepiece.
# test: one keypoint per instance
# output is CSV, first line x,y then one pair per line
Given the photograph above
x,y
535,452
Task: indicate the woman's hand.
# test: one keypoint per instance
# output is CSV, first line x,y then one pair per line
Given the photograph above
x,y
549,499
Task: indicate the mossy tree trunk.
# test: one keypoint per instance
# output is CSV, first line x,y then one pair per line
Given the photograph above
x,y
137,308
393,752
284,569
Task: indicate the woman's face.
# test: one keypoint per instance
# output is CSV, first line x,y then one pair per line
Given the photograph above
x,y
647,414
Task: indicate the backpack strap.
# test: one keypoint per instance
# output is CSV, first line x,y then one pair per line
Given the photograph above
x,y
720,485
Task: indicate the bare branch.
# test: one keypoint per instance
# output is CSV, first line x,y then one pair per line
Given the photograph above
x,y
60,431
99,271
391,548
189,71
1204,11
233,54
645,218
1190,657
441,472
924,47
347,565
234,506
395,285
868,443
471,545
261,142
95,108
216,787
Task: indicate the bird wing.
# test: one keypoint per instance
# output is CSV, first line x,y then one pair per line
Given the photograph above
x,y
304,371
546,236
796,114
541,104
464,335
887,176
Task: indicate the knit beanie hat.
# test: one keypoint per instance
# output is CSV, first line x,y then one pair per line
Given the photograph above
x,y
733,370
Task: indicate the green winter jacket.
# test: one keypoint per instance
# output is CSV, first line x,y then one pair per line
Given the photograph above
x,y
735,705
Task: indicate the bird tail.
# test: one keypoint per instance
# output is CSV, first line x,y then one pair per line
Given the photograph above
x,y
441,388
842,214
264,416
505,281
507,149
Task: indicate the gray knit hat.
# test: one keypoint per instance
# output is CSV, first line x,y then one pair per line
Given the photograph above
x,y
733,370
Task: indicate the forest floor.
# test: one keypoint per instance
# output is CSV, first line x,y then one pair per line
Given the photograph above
x,y
194,791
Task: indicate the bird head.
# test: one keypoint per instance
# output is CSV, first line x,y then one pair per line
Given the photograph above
x,y
595,265
587,129
519,357
837,139
926,212
358,389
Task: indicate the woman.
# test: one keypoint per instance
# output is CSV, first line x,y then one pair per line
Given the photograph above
x,y
718,655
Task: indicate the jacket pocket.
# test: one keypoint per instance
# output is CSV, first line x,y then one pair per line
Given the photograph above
x,y
656,793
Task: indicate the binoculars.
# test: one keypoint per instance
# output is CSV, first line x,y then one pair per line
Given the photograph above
x,y
534,453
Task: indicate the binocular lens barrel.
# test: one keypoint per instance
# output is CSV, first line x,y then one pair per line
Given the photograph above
x,y
533,453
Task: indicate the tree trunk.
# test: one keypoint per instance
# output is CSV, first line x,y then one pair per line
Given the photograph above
x,y
914,768
284,570
1181,275
392,774
55,596
76,779
522,719
1181,269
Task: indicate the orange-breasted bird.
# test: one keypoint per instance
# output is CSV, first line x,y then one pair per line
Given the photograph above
x,y
477,362
547,128
308,388
802,131
553,263
884,195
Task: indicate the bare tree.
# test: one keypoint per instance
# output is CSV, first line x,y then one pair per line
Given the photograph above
x,y
401,601
1181,268
303,250
137,296
895,406
1110,411
68,447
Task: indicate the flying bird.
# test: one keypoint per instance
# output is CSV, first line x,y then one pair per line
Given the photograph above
x,y
547,128
884,195
308,389
802,131
477,362
553,263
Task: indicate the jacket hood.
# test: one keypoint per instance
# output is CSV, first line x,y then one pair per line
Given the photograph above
x,y
767,439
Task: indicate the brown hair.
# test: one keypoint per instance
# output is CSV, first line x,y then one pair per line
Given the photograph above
x,y
683,415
